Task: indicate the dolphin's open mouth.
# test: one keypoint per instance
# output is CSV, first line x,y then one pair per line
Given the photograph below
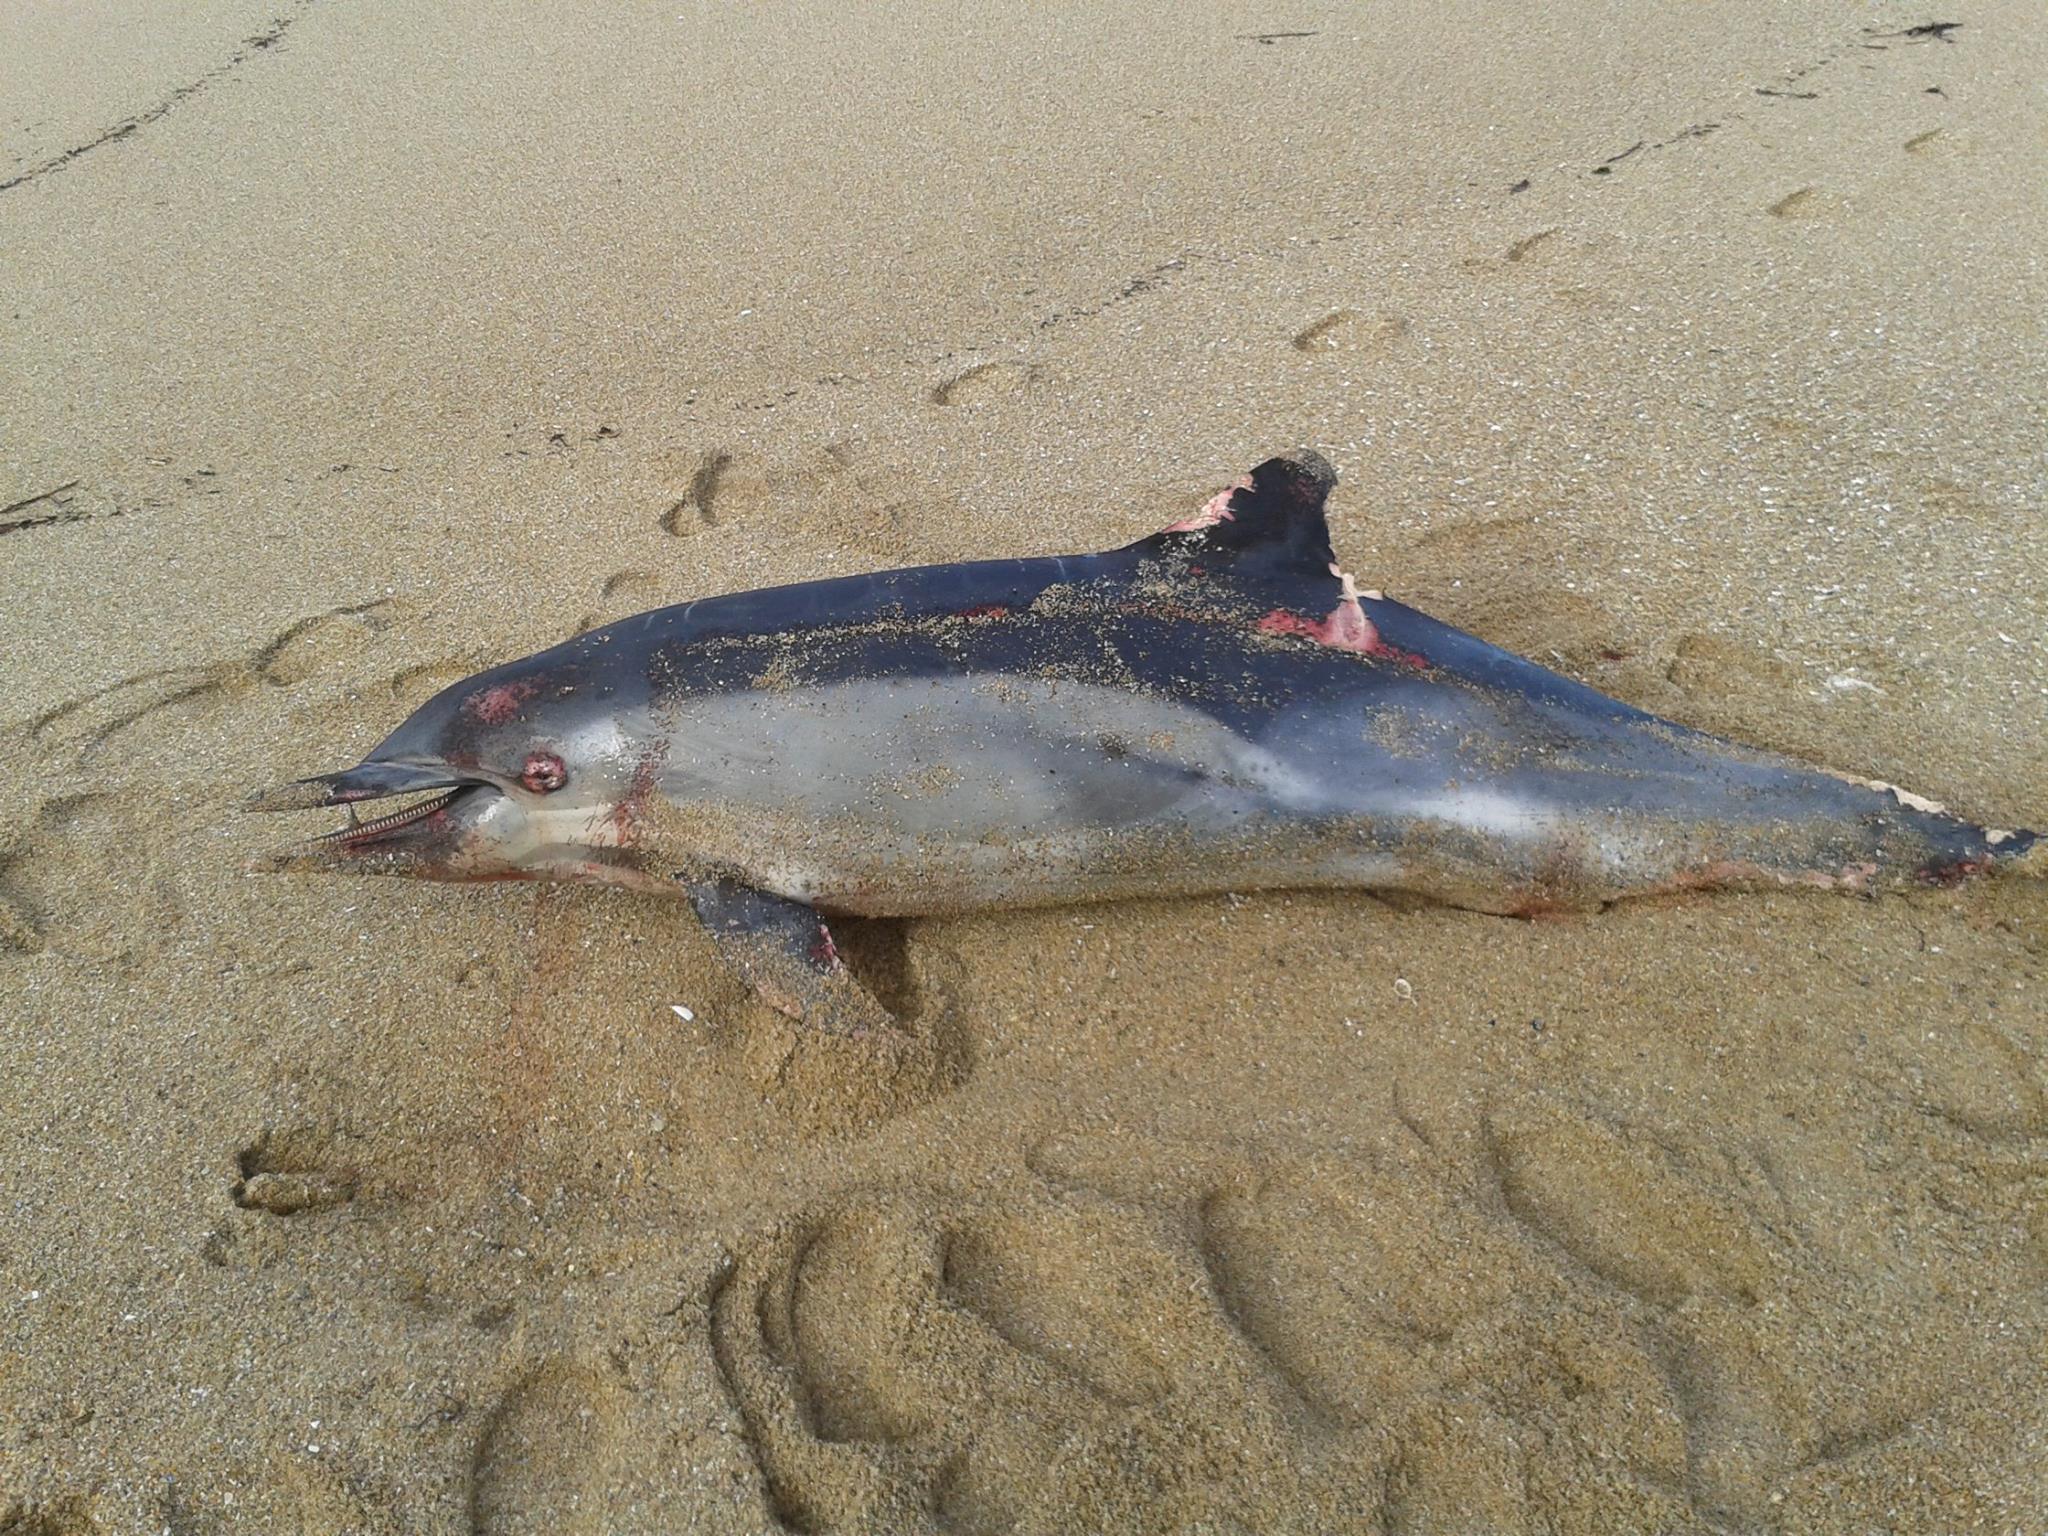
x,y
413,802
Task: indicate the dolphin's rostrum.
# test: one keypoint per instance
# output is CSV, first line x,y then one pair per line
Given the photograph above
x,y
1215,707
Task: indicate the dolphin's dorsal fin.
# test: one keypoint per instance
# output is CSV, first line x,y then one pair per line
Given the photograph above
x,y
1269,525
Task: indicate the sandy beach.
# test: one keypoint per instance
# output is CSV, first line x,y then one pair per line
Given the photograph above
x,y
1694,351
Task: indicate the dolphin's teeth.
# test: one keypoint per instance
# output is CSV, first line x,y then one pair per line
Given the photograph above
x,y
358,830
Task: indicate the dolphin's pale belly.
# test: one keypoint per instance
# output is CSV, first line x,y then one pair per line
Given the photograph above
x,y
948,793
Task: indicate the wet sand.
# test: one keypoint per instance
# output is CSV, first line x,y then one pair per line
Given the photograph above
x,y
1697,353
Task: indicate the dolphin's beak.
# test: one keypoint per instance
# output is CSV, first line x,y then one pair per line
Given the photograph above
x,y
365,781
427,835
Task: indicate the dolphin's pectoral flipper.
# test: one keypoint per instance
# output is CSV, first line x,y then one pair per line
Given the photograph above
x,y
783,950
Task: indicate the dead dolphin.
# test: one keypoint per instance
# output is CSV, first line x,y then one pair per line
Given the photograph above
x,y
1215,707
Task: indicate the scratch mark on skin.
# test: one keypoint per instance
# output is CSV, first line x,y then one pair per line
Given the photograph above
x,y
261,42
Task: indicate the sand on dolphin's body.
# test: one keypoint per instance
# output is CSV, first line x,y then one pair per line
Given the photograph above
x,y
1694,352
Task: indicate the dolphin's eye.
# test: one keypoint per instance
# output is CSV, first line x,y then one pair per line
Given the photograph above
x,y
544,773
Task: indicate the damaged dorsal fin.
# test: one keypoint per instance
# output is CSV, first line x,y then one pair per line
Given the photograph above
x,y
1269,524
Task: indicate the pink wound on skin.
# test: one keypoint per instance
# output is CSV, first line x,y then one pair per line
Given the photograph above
x,y
825,953
496,705
1346,629
1215,510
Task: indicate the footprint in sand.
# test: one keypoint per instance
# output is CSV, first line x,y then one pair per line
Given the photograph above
x,y
1565,1315
840,1330
1465,1468
1533,248
1402,1314
621,594
872,507
906,1358
1072,1284
69,1516
698,506
1350,331
1620,1211
82,725
984,382
1806,203
285,1172
334,642
332,645
1515,602
807,1330
59,890
1980,1081
1552,1321
547,1461
1318,1346
1349,1283
828,488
